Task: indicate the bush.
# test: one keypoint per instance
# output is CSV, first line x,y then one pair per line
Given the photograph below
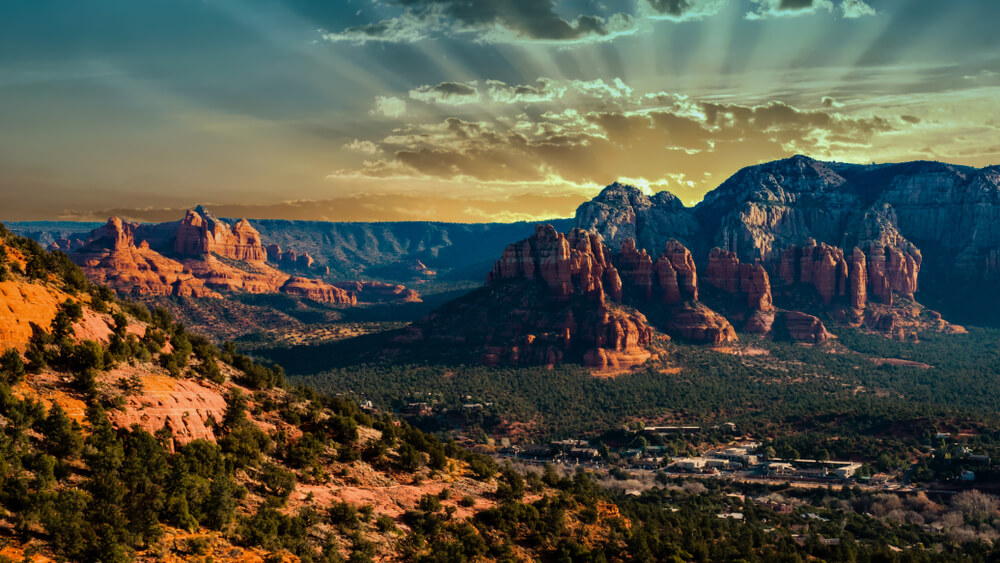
x,y
344,515
87,355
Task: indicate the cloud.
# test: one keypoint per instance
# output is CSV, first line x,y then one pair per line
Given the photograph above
x,y
545,90
784,8
407,28
491,21
447,93
366,147
525,205
658,138
856,9
684,10
831,102
389,106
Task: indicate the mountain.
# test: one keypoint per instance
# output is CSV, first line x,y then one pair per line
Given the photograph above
x,y
850,239
399,251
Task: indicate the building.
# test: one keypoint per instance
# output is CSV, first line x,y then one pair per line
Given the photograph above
x,y
584,453
690,464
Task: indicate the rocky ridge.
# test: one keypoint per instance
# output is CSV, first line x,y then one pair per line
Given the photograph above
x,y
833,238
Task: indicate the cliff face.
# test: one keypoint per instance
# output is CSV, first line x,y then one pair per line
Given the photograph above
x,y
623,212
556,297
667,290
845,234
551,298
200,234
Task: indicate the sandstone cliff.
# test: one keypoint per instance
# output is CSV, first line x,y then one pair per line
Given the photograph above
x,y
551,298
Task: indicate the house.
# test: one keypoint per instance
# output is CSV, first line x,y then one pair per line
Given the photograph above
x,y
780,468
418,409
846,471
691,464
584,453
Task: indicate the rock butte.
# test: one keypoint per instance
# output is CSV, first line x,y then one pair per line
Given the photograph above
x,y
202,256
556,297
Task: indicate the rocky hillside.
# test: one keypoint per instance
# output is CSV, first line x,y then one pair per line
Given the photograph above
x,y
848,240
125,437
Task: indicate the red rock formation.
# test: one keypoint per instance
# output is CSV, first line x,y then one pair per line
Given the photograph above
x,y
725,272
698,323
893,269
318,291
568,264
200,234
636,269
801,327
671,281
111,258
857,280
378,292
683,263
550,298
273,253
304,261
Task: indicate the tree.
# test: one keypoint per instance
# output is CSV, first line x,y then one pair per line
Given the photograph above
x,y
12,367
63,438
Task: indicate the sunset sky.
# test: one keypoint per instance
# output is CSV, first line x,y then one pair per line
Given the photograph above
x,y
468,110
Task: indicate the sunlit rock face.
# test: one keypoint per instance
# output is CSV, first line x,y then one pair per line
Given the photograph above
x,y
198,256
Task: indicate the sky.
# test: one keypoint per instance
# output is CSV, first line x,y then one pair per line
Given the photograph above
x,y
468,110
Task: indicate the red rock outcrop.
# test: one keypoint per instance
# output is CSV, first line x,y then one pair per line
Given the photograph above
x,y
112,258
669,286
551,298
725,272
318,291
200,234
698,323
185,406
801,327
569,264
208,248
682,262
378,292
671,279
892,269
857,280
751,282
